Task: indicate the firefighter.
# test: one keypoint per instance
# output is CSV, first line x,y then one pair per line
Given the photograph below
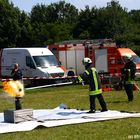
x,y
16,72
17,76
128,77
95,90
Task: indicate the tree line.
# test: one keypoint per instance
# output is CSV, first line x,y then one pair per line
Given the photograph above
x,y
48,24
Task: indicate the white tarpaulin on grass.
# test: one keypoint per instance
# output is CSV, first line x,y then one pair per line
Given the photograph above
x,y
60,116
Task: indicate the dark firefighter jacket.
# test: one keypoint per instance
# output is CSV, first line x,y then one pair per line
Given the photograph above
x,y
128,77
91,75
128,72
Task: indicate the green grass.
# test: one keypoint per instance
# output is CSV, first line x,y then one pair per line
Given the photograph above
x,y
76,96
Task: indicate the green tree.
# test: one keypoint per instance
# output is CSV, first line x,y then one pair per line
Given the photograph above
x,y
25,37
135,26
47,24
62,12
66,12
83,26
9,28
52,23
112,21
39,14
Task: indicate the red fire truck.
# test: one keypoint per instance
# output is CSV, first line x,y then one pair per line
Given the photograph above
x,y
107,57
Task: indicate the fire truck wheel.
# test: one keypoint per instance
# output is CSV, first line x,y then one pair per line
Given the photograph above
x,y
71,73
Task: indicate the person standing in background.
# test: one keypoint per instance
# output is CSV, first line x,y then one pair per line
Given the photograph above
x,y
128,77
16,72
17,75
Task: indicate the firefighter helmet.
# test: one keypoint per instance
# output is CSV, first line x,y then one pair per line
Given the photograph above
x,y
86,61
128,57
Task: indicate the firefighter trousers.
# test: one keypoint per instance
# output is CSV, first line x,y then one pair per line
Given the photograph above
x,y
129,91
18,103
101,101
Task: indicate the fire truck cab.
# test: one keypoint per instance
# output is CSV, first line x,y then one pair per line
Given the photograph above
x,y
107,57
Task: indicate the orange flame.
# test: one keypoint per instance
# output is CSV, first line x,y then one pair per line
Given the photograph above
x,y
13,88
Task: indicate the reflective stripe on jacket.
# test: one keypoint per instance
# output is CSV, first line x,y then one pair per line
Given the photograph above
x,y
128,79
93,79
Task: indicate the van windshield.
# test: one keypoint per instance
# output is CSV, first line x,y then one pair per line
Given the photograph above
x,y
45,61
134,58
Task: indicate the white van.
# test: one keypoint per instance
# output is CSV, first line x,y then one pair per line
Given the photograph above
x,y
34,62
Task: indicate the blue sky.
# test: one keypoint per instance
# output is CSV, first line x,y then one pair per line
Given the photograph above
x,y
27,5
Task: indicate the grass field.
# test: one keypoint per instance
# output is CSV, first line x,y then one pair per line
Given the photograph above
x,y
76,96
